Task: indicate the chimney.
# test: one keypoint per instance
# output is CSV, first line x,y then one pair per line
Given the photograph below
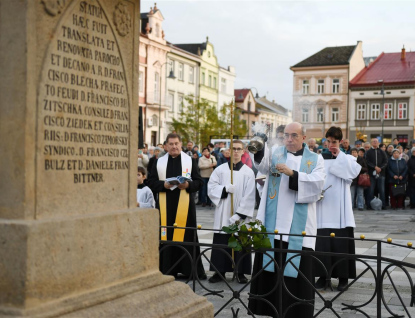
x,y
403,54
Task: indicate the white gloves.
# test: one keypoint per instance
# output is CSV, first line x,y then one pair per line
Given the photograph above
x,y
230,188
234,218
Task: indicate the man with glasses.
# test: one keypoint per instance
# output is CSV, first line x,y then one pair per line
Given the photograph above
x,y
219,191
295,179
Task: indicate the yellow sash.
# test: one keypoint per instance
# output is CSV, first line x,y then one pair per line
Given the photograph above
x,y
181,215
184,198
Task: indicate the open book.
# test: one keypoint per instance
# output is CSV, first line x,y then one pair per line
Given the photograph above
x,y
177,180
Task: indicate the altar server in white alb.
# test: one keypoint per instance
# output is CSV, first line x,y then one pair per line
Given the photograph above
x,y
220,188
335,212
295,179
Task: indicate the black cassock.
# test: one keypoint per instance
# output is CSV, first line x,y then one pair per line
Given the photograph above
x,y
170,255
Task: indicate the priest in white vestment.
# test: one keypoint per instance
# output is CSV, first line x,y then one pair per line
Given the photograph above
x,y
335,213
220,189
295,179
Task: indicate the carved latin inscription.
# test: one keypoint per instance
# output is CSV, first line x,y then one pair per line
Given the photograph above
x,y
83,118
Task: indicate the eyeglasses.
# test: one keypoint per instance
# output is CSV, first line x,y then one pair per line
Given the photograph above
x,y
293,136
237,149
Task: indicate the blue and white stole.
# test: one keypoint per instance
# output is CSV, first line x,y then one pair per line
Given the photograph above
x,y
308,163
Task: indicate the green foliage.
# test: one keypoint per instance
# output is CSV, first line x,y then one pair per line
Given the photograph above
x,y
243,238
199,120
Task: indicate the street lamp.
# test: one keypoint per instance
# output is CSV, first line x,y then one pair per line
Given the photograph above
x,y
383,105
171,75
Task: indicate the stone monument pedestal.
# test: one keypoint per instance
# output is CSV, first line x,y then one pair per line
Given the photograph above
x,y
72,241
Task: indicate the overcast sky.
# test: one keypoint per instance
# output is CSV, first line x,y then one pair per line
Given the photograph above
x,y
262,39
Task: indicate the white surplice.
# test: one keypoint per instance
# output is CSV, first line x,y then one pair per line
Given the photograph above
x,y
243,198
335,210
309,190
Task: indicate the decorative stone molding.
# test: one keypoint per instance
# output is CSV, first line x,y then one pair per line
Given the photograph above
x,y
54,7
122,19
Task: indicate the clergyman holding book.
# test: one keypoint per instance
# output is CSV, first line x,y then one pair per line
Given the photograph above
x,y
175,200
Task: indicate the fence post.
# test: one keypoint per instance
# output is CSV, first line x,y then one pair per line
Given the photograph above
x,y
194,259
379,279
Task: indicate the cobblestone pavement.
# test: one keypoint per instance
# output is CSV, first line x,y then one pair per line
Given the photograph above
x,y
379,225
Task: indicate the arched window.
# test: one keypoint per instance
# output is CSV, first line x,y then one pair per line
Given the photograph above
x,y
155,120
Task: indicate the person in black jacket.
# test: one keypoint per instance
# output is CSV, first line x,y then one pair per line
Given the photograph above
x,y
377,162
411,178
355,188
397,170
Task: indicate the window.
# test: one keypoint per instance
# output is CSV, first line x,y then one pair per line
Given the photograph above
x,y
223,85
210,81
181,71
156,87
140,82
155,120
249,106
170,101
402,111
306,87
361,112
214,82
336,85
191,74
171,65
320,117
305,115
320,86
374,111
387,111
203,78
334,115
180,103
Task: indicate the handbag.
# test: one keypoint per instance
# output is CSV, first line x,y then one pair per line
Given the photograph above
x,y
398,190
364,180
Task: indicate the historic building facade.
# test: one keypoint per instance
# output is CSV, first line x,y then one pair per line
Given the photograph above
x,y
153,76
390,110
321,86
245,101
226,86
185,67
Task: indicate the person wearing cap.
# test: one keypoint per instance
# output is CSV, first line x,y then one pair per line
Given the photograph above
x,y
411,178
397,171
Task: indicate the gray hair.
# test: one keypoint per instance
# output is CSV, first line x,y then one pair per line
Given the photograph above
x,y
366,143
413,149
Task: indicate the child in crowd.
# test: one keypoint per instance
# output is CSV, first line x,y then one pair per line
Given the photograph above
x,y
145,198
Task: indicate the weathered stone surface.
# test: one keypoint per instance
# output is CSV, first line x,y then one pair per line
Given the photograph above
x,y
71,236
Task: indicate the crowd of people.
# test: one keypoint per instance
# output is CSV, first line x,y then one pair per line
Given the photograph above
x,y
305,187
390,169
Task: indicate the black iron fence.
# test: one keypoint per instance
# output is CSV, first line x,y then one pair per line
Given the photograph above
x,y
375,271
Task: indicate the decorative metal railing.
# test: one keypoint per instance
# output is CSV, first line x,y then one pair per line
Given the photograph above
x,y
371,266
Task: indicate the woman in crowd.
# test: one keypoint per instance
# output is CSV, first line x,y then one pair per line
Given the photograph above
x,y
382,147
206,164
397,170
355,188
402,153
411,179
